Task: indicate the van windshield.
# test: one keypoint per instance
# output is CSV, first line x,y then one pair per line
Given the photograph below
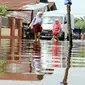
x,y
51,19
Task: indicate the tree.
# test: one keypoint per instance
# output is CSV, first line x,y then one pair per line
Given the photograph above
x,y
80,22
3,10
76,20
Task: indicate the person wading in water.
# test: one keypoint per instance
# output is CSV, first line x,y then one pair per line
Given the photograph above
x,y
56,29
36,25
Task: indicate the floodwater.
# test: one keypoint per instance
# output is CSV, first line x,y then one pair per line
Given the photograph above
x,y
44,57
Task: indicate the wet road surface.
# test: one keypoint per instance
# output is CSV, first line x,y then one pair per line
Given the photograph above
x,y
44,56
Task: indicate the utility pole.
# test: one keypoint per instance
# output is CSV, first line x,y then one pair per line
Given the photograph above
x,y
68,4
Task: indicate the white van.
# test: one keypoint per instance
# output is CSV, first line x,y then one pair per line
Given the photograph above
x,y
48,20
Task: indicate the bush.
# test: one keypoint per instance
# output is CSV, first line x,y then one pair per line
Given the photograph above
x,y
3,10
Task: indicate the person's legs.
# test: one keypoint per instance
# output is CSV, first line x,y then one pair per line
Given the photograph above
x,y
82,37
55,38
38,36
35,36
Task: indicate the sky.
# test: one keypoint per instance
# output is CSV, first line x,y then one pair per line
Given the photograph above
x,y
77,7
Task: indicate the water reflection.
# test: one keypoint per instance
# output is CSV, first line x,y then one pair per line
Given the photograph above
x,y
36,56
41,57
55,48
32,52
55,54
78,54
46,57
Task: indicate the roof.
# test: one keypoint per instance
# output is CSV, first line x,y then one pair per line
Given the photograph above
x,y
35,6
17,4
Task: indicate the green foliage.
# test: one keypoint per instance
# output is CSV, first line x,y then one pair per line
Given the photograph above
x,y
80,22
2,66
76,20
3,10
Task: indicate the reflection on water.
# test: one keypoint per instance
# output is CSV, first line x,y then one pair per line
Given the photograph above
x,y
40,57
78,54
36,57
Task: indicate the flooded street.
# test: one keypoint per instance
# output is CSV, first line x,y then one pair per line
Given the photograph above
x,y
44,60
49,54
47,58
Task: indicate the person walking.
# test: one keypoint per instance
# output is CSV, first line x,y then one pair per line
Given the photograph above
x,y
36,25
82,35
56,29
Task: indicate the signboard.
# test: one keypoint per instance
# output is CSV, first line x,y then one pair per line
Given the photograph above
x,y
61,83
67,2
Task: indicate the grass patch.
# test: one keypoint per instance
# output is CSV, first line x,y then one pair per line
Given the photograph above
x,y
2,66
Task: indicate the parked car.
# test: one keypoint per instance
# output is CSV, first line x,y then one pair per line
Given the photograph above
x,y
76,33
